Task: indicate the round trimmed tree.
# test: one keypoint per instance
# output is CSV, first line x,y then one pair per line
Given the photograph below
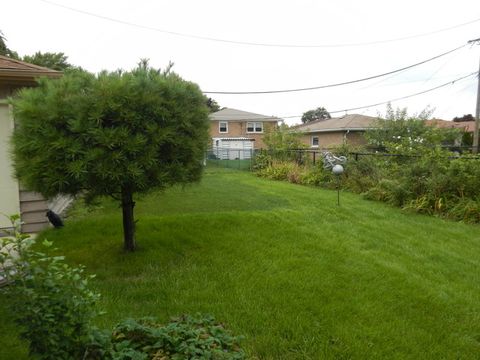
x,y
115,134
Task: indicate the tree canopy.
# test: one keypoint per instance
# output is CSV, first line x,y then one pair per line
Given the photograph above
x,y
4,49
283,138
213,105
319,113
51,60
54,61
115,134
468,117
398,132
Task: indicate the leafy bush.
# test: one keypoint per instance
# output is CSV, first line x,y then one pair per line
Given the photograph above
x,y
281,170
50,299
363,174
185,337
261,160
432,182
467,210
54,308
317,176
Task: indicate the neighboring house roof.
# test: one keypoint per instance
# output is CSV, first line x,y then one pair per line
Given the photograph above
x,y
467,126
12,70
228,114
353,122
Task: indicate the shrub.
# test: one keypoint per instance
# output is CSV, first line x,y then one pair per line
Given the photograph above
x,y
261,160
280,170
50,299
363,174
390,191
317,176
185,337
54,308
467,210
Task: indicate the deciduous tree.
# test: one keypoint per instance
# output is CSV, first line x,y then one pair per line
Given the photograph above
x,y
318,114
54,61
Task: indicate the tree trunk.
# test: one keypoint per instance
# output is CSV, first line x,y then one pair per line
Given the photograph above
x,y
128,220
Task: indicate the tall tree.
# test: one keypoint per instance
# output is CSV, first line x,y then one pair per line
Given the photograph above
x,y
399,132
213,105
54,61
51,60
468,117
4,49
116,134
319,113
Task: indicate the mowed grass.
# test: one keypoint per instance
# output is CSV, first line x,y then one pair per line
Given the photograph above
x,y
282,264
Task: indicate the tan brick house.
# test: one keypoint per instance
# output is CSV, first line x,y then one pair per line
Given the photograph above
x,y
347,129
236,133
14,199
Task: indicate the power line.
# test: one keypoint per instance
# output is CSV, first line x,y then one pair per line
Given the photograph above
x,y
407,96
331,85
475,73
227,41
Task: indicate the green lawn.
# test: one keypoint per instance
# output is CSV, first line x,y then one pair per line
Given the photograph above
x,y
282,264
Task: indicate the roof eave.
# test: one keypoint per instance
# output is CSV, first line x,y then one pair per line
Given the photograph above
x,y
27,75
336,130
243,120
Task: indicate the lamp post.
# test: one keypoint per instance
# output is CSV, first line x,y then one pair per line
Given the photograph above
x,y
337,170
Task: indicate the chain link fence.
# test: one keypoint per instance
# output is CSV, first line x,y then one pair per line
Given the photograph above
x,y
245,159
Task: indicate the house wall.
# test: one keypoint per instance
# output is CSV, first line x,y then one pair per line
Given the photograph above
x,y
9,192
337,138
239,129
13,199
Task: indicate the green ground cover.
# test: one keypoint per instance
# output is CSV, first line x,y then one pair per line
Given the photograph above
x,y
282,264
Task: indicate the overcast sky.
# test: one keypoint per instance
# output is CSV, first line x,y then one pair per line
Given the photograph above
x,y
352,39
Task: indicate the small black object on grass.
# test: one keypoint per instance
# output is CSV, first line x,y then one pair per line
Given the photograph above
x,y
54,219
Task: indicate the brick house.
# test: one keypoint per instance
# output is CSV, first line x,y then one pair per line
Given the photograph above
x,y
347,129
14,199
235,133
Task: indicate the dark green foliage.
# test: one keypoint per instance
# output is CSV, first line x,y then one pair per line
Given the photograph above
x,y
88,134
319,113
184,337
213,105
5,50
114,134
54,61
51,301
468,117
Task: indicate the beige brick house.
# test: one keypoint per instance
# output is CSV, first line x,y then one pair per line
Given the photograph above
x,y
236,133
14,199
347,129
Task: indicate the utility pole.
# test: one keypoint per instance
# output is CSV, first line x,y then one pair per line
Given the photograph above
x,y
477,111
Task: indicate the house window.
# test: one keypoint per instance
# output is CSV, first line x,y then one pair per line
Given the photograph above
x,y
223,127
254,127
315,141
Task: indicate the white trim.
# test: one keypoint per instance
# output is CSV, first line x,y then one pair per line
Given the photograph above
x,y
254,127
311,141
219,127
